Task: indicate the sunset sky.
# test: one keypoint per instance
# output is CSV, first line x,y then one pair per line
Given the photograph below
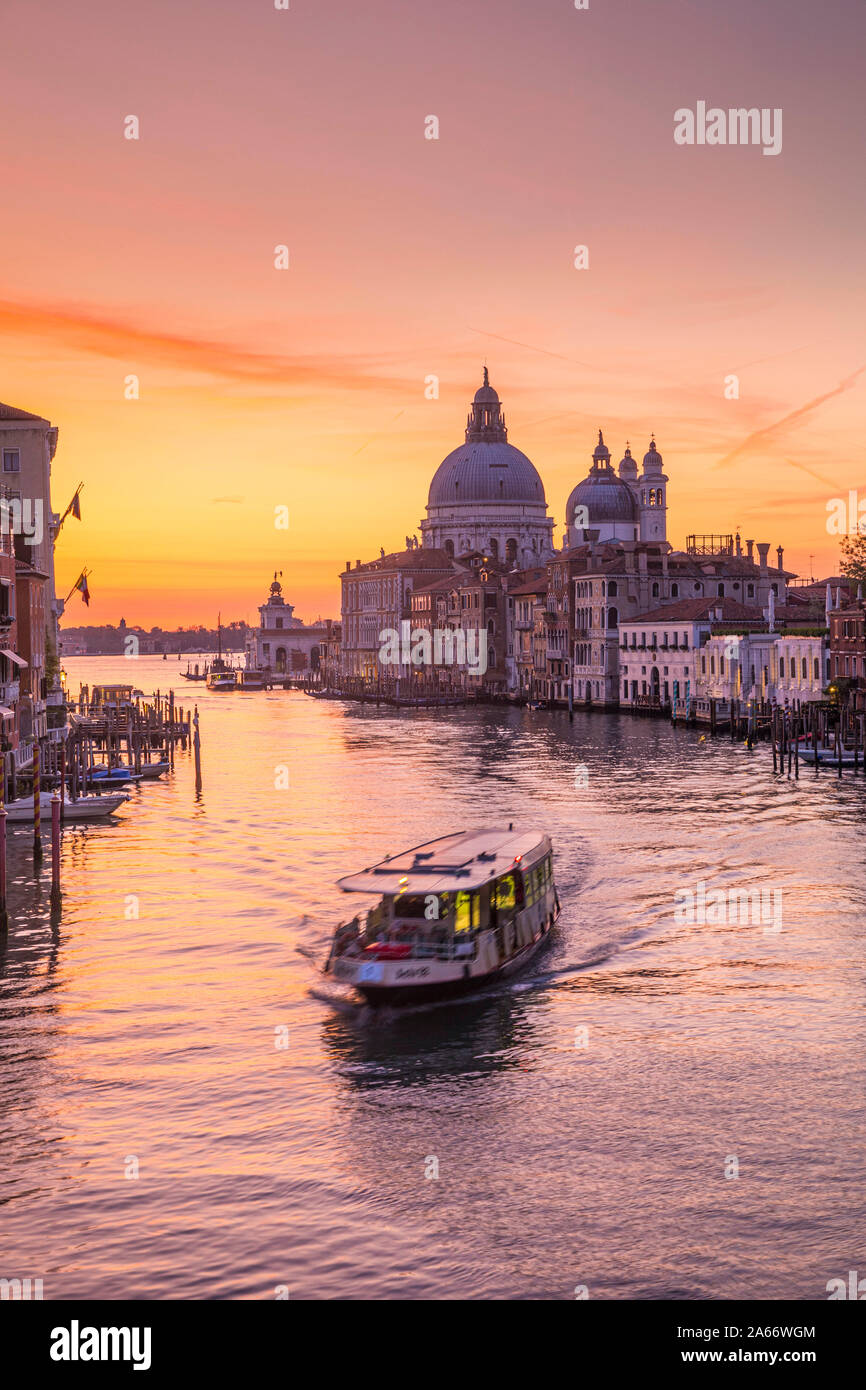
x,y
411,257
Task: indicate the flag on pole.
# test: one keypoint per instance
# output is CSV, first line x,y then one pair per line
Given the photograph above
x,y
74,507
81,585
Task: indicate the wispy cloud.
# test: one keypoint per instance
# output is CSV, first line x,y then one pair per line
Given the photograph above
x,y
780,427
104,336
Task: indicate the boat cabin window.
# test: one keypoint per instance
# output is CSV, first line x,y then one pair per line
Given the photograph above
x,y
467,911
424,906
504,895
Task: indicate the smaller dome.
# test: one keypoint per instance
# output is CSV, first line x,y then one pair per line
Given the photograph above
x,y
652,459
601,451
627,465
606,498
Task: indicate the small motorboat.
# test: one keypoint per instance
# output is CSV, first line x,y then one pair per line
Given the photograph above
x,y
82,808
829,753
454,916
252,680
150,771
112,776
123,772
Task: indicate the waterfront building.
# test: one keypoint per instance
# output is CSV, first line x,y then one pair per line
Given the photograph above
x,y
10,660
283,644
330,655
376,599
787,668
486,496
32,609
848,653
528,592
475,603
660,652
28,444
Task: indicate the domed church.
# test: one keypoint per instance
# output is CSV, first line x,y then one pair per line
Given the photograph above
x,y
619,506
487,496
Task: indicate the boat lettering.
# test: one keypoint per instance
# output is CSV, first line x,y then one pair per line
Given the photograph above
x,y
420,973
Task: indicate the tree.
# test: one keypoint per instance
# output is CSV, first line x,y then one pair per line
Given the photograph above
x,y
854,559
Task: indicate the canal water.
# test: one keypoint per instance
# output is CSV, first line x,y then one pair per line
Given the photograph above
x,y
657,1109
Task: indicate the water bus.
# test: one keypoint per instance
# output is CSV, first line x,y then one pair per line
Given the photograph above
x,y
453,916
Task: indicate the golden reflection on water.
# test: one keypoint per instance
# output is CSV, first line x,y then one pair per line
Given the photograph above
x,y
144,1024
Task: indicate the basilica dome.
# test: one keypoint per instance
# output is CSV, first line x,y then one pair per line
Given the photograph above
x,y
486,468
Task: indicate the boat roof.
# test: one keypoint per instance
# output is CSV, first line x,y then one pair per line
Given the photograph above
x,y
464,861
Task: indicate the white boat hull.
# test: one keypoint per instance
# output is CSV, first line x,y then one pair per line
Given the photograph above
x,y
85,808
414,981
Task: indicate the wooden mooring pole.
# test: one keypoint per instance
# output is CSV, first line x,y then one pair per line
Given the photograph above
x,y
37,807
4,915
196,748
56,895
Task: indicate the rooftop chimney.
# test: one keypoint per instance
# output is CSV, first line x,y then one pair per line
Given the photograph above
x,y
781,554
739,545
763,552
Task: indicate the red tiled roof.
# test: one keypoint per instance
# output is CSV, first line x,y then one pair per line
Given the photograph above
x,y
11,412
695,609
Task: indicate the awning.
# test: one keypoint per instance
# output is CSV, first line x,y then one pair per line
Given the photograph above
x,y
6,713
13,656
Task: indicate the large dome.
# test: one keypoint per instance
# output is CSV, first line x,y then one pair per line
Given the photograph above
x,y
480,472
486,468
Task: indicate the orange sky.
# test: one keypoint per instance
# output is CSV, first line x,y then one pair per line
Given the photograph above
x,y
411,257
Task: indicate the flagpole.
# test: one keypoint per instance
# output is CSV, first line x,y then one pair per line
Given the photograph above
x,y
82,575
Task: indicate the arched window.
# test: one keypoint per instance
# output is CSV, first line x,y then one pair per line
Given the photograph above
x,y
612,589
655,590
675,591
781,666
449,548
721,591
491,628
494,547
511,550
804,669
491,658
612,617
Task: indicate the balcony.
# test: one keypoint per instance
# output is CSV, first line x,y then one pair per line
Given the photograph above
x,y
10,693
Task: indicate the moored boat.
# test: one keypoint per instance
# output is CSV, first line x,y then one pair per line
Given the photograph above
x,y
82,808
454,916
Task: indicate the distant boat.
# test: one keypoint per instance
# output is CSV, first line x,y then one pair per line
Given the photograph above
x,y
83,808
252,680
222,675
454,915
195,674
